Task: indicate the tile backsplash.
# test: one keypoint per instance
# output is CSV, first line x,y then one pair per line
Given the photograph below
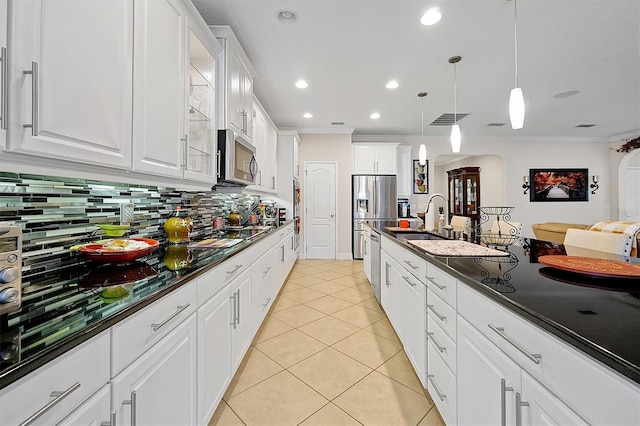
x,y
56,213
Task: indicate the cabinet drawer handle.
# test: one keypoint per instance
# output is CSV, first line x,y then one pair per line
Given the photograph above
x,y
441,287
157,327
503,401
266,303
410,264
433,383
519,404
435,342
58,397
407,280
440,317
34,98
112,420
266,271
132,402
233,271
533,357
4,103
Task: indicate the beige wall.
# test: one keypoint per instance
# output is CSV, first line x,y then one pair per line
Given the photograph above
x,y
333,148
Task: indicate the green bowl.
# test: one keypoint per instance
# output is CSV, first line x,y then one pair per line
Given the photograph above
x,y
114,230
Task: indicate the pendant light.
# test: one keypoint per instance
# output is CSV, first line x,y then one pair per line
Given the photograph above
x,y
456,137
516,99
422,153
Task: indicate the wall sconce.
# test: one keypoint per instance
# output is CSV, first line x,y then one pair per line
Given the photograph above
x,y
594,186
526,185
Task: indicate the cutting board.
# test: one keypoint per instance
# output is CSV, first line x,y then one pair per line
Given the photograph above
x,y
456,248
215,243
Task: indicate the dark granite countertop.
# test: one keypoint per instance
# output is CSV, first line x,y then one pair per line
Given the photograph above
x,y
62,311
598,316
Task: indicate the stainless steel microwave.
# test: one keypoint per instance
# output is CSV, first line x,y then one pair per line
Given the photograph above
x,y
236,157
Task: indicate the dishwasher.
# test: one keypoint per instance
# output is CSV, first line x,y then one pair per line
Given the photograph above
x,y
375,264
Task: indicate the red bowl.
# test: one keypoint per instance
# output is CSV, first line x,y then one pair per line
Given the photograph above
x,y
97,253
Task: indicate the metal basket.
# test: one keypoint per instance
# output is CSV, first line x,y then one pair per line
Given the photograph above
x,y
498,240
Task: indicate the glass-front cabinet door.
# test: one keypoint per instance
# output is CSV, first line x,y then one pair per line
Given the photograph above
x,y
464,193
201,139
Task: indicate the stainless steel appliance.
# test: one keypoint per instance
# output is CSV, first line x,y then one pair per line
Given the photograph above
x,y
10,267
237,164
296,213
375,265
374,200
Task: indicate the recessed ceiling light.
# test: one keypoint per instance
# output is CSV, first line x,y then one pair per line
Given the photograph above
x,y
392,84
307,115
287,15
431,16
301,84
566,94
375,116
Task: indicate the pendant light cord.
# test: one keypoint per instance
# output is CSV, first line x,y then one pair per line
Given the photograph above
x,y
515,38
422,122
455,95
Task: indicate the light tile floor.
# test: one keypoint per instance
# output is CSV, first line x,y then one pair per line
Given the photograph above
x,y
326,355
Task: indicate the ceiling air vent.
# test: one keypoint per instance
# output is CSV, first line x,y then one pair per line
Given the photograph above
x,y
585,125
337,123
447,119
496,124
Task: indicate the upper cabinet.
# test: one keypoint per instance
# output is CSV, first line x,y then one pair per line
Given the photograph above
x,y
265,139
405,171
70,80
3,74
288,169
464,193
377,159
235,84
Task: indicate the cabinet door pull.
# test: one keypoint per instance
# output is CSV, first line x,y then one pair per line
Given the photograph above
x,y
34,98
410,264
157,327
112,420
503,401
238,310
440,317
185,151
407,280
441,287
132,402
519,404
57,398
233,314
266,271
435,342
386,274
533,357
4,103
266,303
218,159
231,272
433,383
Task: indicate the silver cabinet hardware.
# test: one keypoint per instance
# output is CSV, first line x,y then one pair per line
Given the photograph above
x,y
440,317
266,303
435,342
386,274
112,420
233,313
266,271
185,150
132,402
441,287
238,310
57,398
503,401
231,272
407,280
218,156
433,383
34,98
410,264
519,404
4,102
533,357
157,327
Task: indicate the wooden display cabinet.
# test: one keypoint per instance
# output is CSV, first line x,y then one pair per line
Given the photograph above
x,y
464,193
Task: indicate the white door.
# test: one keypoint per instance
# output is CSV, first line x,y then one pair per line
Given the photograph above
x,y
320,199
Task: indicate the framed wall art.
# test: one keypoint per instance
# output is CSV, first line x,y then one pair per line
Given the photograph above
x,y
558,184
420,177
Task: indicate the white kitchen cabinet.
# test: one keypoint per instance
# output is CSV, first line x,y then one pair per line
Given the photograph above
x,y
378,159
95,411
265,139
366,255
405,171
288,169
60,387
160,386
235,83
263,288
241,324
284,254
70,80
159,70
3,71
214,352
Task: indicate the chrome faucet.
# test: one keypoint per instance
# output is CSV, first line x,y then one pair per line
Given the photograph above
x,y
446,206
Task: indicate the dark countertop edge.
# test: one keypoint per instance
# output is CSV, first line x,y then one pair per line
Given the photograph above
x,y
611,360
26,366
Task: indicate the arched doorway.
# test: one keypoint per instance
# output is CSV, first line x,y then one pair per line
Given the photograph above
x,y
629,187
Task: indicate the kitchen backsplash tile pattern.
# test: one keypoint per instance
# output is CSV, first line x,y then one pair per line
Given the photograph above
x,y
56,213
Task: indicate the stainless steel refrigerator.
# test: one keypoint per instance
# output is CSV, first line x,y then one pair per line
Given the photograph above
x,y
374,200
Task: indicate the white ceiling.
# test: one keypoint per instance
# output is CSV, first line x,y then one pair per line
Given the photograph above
x,y
348,49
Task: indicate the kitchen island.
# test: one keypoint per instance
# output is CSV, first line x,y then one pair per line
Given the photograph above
x,y
100,332
568,333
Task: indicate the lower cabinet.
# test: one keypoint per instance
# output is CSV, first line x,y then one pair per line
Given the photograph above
x,y
95,411
241,327
160,386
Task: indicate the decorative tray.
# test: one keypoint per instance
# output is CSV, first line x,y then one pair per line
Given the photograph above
x,y
456,248
119,250
592,266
